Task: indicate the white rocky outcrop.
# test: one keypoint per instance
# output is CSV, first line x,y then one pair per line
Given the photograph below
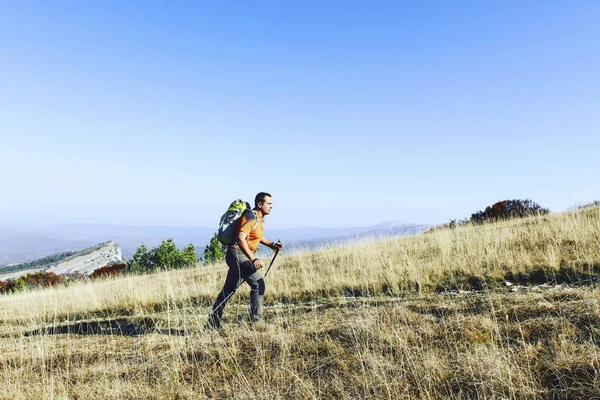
x,y
89,260
84,262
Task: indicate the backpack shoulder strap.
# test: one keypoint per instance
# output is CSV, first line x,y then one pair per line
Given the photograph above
x,y
255,221
251,215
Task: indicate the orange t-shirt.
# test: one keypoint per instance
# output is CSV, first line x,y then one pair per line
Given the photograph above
x,y
254,235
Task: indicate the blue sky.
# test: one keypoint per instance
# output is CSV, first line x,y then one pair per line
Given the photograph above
x,y
349,113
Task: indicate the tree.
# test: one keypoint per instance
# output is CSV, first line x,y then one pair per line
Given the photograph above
x,y
214,251
140,262
508,209
188,255
165,256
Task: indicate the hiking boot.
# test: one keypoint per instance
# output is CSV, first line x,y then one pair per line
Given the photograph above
x,y
213,323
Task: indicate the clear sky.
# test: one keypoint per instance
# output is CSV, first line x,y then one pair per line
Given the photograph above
x,y
349,112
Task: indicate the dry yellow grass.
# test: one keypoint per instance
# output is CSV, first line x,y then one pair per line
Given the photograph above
x,y
142,336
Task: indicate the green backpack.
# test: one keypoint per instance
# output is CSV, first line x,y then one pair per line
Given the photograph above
x,y
230,219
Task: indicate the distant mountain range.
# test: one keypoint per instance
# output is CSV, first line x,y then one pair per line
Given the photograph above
x,y
378,232
22,246
25,244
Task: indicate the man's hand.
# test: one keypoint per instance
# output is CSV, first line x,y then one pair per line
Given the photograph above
x,y
258,264
278,245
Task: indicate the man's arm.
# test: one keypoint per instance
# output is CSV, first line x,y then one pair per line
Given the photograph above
x,y
272,245
243,243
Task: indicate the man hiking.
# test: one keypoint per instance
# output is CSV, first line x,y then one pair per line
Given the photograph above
x,y
243,264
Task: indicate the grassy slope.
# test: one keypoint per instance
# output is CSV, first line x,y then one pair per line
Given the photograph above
x,y
142,337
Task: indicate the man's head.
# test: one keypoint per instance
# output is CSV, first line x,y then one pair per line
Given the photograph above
x,y
263,202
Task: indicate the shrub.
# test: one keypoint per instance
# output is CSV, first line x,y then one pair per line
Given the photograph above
x,y
42,280
74,277
18,285
33,281
109,270
505,209
593,204
508,209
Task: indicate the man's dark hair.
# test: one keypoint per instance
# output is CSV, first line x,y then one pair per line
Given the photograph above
x,y
260,198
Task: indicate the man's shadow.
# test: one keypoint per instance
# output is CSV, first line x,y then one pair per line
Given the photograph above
x,y
118,326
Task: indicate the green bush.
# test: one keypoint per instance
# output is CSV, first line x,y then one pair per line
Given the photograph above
x,y
18,285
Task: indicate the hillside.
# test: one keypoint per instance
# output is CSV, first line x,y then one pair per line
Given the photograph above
x,y
83,262
429,316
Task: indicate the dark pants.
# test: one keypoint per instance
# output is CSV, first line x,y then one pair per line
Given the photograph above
x,y
241,269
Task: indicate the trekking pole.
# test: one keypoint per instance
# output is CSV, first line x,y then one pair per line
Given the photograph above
x,y
240,284
270,265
